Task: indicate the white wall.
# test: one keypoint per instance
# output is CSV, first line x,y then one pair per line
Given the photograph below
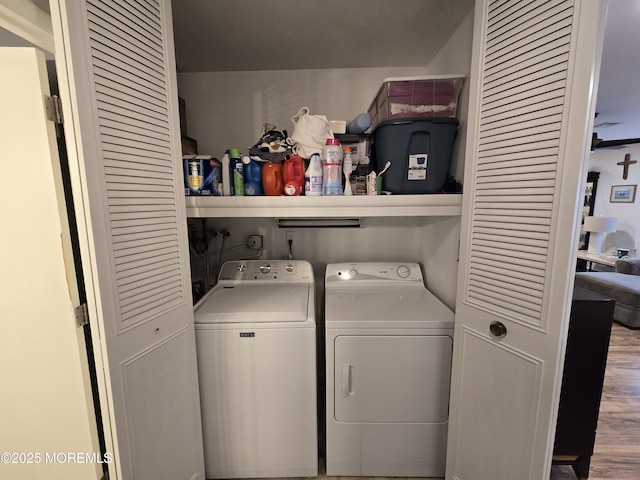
x,y
455,57
228,109
440,237
377,239
628,214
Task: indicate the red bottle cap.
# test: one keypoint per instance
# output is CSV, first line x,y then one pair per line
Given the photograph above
x,y
332,141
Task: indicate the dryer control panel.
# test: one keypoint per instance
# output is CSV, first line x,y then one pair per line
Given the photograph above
x,y
266,270
372,272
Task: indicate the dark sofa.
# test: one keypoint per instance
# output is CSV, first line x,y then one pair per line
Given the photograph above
x,y
623,286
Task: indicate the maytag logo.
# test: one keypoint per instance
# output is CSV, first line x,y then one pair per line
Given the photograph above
x,y
247,334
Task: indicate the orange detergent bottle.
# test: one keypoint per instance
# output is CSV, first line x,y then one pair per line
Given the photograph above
x,y
272,183
293,175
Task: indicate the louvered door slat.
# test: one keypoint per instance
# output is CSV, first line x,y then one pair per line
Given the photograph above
x,y
519,285
135,63
531,228
520,126
135,172
127,90
129,134
509,275
153,205
109,92
116,106
146,16
150,295
528,261
525,299
121,71
515,168
523,234
540,112
140,163
544,89
139,122
144,274
493,299
509,36
541,105
151,306
133,255
527,244
126,218
123,235
517,14
503,11
522,108
494,175
134,35
118,153
513,254
492,217
509,73
506,183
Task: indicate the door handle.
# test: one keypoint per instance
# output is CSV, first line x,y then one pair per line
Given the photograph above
x,y
498,329
347,380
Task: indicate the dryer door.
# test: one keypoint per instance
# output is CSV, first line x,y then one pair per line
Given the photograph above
x,y
392,378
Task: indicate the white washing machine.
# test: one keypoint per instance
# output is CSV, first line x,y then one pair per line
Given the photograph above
x,y
256,348
389,344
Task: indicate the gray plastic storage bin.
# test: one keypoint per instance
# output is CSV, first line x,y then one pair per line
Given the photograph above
x,y
419,151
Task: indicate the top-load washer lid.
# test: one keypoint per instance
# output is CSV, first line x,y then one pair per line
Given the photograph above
x,y
254,303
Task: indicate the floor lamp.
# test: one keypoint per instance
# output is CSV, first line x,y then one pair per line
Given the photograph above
x,y
597,226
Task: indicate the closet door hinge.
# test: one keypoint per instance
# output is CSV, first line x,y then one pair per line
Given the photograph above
x,y
53,106
82,315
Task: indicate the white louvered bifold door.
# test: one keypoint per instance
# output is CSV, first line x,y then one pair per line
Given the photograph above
x,y
119,91
532,81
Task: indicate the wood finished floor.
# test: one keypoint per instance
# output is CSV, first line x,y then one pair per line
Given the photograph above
x,y
617,450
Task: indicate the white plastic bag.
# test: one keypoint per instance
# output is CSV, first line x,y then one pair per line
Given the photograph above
x,y
310,133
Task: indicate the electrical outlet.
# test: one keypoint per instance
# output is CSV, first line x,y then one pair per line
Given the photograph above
x,y
290,245
255,242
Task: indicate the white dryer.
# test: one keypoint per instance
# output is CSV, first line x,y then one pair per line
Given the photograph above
x,y
389,344
256,349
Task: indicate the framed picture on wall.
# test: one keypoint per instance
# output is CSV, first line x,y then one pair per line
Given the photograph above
x,y
623,194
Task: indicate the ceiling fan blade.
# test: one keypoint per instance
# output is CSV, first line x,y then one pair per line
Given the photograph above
x,y
613,143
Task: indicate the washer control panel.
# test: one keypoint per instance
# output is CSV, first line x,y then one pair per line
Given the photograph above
x,y
266,270
373,271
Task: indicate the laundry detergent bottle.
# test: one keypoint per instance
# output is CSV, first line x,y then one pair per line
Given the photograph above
x,y
293,175
272,182
252,177
313,177
332,167
237,172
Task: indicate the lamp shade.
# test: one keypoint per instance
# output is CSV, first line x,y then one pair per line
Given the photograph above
x,y
600,224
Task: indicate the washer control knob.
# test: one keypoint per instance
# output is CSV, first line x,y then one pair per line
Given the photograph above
x,y
403,271
289,267
266,268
